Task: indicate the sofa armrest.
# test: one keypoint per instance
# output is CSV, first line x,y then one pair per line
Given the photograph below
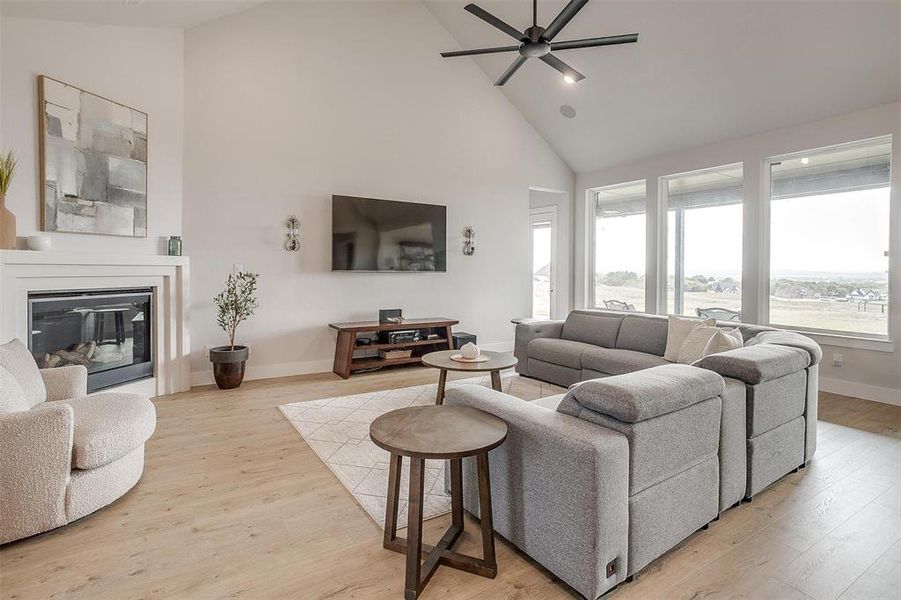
x,y
35,461
757,363
644,394
65,383
790,339
559,489
526,332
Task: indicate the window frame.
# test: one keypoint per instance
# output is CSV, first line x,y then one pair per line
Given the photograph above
x,y
853,339
663,233
591,213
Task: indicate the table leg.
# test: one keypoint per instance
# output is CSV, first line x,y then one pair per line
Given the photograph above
x,y
394,468
344,353
442,381
496,381
485,512
414,528
456,467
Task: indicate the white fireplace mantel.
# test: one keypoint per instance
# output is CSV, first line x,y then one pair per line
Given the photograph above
x,y
24,271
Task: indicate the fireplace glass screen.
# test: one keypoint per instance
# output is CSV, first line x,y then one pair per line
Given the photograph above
x,y
107,331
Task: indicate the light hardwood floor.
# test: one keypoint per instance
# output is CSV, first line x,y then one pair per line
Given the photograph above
x,y
234,504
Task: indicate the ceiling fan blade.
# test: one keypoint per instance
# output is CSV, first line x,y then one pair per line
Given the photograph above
x,y
520,61
610,40
569,11
568,71
480,51
494,21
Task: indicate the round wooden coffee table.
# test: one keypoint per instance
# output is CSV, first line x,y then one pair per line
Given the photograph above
x,y
444,433
442,360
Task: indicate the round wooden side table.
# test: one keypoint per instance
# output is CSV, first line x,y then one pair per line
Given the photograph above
x,y
442,360
443,433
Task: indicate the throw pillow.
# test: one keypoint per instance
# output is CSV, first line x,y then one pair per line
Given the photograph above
x,y
12,397
724,340
16,359
696,343
677,330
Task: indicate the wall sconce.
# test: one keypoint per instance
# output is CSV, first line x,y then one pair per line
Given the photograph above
x,y
292,237
469,241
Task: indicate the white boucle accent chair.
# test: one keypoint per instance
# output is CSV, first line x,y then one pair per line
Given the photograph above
x,y
63,454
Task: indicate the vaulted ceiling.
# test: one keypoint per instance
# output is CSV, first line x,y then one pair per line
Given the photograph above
x,y
175,14
701,71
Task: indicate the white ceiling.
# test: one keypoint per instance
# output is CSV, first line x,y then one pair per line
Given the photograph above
x,y
176,14
701,71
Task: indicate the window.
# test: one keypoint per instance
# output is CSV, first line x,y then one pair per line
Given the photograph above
x,y
704,242
618,257
829,239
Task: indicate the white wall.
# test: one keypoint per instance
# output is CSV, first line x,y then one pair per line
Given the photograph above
x,y
867,373
289,103
140,67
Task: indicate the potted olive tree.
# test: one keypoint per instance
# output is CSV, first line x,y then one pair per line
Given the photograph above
x,y
235,303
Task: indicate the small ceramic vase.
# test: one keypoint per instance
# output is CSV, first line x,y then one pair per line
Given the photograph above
x,y
7,226
38,242
470,351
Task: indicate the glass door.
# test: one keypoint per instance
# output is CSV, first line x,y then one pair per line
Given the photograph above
x,y
543,224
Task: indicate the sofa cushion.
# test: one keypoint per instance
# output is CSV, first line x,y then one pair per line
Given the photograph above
x,y
109,426
549,402
558,352
677,329
756,363
592,327
724,340
790,339
12,396
643,333
19,362
694,347
644,394
556,374
617,362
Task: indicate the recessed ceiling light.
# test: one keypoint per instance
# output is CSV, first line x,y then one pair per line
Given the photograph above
x,y
805,160
569,79
567,111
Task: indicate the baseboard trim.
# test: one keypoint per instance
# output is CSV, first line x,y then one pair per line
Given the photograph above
x,y
304,368
269,371
861,390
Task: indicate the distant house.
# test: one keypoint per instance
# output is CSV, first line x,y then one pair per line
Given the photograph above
x,y
865,294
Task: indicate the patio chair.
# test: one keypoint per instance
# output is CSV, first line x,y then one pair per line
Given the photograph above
x,y
720,314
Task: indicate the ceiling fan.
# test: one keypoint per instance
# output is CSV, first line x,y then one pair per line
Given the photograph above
x,y
537,42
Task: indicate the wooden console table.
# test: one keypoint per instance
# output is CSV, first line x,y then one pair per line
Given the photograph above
x,y
345,363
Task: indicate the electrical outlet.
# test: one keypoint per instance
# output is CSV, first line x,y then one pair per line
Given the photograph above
x,y
206,350
838,360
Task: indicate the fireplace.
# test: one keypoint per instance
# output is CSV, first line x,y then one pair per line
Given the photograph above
x,y
108,331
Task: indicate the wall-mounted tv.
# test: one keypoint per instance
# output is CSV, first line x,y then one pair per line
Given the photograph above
x,y
387,235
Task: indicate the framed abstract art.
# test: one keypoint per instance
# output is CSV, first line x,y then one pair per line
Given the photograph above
x,y
93,155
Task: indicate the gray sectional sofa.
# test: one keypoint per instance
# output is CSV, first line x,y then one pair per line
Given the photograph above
x,y
639,453
772,380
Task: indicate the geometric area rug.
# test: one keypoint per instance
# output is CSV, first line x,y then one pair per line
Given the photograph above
x,y
337,430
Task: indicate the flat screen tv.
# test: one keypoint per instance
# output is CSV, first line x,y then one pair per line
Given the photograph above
x,y
387,235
